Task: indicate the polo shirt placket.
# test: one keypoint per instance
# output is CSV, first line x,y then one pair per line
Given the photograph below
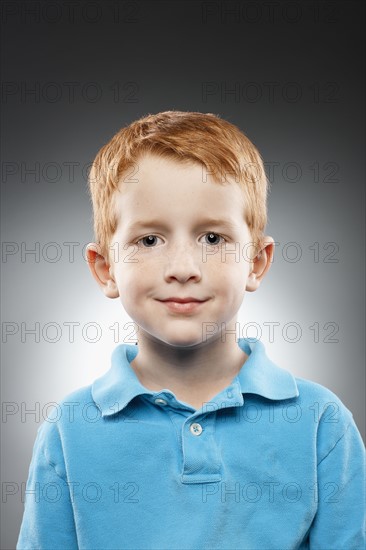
x,y
200,455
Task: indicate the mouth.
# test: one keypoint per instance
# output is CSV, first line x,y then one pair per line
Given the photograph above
x,y
184,305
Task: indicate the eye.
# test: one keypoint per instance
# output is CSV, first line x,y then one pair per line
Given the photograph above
x,y
213,236
149,239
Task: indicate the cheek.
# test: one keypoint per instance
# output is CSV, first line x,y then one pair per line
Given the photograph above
x,y
231,281
132,281
231,272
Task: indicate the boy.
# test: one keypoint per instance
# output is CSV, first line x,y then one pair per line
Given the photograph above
x,y
194,439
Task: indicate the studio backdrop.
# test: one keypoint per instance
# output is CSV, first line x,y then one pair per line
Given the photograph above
x,y
289,74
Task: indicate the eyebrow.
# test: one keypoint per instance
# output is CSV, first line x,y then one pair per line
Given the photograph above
x,y
213,222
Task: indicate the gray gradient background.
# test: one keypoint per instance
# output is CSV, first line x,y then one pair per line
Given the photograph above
x,y
168,52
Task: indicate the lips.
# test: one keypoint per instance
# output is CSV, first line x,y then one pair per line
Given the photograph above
x,y
184,305
187,300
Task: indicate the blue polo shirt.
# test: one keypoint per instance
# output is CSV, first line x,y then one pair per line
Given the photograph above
x,y
271,462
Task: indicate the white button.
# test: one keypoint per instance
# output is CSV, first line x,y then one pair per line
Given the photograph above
x,y
196,429
160,401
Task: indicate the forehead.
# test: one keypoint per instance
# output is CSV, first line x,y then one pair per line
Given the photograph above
x,y
179,191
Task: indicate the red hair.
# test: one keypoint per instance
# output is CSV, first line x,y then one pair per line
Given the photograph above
x,y
219,146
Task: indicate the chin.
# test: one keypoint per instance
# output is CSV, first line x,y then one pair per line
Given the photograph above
x,y
182,341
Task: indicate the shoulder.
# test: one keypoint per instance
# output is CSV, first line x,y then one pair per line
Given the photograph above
x,y
70,407
326,405
59,421
314,389
68,411
331,418
314,393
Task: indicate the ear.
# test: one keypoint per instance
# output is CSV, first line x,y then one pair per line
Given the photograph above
x,y
260,264
101,271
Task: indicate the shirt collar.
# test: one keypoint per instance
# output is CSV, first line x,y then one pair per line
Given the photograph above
x,y
259,375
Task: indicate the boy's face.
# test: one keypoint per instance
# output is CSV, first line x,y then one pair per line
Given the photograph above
x,y
180,258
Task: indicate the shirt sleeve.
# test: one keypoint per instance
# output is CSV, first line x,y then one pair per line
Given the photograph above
x,y
340,518
48,520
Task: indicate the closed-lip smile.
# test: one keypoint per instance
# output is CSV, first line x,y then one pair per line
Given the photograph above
x,y
182,300
183,306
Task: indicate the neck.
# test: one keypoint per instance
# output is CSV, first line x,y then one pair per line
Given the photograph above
x,y
196,374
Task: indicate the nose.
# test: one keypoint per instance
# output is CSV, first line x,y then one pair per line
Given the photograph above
x,y
183,263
